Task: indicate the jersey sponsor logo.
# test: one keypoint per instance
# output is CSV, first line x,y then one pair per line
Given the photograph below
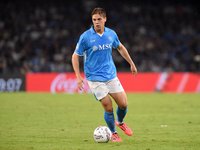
x,y
102,47
94,48
105,46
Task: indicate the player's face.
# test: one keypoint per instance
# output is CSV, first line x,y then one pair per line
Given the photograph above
x,y
99,22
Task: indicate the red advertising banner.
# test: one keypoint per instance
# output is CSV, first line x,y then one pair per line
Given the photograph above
x,y
143,82
53,82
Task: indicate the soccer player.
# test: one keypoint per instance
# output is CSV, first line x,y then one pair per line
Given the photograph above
x,y
96,45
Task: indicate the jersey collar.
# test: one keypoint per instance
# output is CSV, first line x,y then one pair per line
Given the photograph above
x,y
93,31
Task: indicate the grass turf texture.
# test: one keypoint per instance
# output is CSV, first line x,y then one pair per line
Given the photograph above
x,y
66,122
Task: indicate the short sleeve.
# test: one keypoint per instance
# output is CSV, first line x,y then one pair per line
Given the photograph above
x,y
116,41
80,46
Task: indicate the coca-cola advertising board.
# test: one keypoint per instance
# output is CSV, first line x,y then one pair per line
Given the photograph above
x,y
54,83
143,82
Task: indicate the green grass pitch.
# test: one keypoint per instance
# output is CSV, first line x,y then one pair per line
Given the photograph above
x,y
41,121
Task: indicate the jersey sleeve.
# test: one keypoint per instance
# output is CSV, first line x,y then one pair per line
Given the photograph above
x,y
80,46
116,41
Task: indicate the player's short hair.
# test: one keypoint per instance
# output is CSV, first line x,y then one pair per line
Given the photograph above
x,y
99,11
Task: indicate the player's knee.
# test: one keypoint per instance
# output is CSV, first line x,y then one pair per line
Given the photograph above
x,y
109,109
123,106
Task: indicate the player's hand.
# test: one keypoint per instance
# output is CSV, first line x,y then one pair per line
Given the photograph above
x,y
80,83
133,70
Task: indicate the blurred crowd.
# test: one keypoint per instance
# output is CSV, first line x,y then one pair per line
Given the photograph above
x,y
41,36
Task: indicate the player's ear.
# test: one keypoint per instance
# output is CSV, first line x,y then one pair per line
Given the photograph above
x,y
105,19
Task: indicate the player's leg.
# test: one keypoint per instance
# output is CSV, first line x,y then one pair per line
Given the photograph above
x,y
117,93
109,118
108,112
100,92
121,100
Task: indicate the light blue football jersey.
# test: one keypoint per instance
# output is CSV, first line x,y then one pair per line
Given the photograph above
x,y
97,49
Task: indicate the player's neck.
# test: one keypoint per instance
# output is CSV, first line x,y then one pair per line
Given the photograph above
x,y
99,31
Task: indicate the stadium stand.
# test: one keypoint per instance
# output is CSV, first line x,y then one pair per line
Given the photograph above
x,y
41,36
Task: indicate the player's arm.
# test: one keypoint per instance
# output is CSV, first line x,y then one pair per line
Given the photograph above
x,y
123,51
75,64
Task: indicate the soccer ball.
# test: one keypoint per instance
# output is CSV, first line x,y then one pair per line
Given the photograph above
x,y
102,134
